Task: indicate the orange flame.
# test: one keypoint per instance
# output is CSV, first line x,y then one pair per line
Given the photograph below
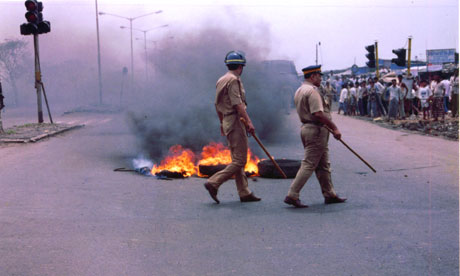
x,y
182,160
178,160
217,154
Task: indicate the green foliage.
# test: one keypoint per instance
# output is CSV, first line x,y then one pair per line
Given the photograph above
x,y
12,58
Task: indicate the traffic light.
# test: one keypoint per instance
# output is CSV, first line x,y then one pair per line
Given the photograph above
x,y
34,17
370,56
401,54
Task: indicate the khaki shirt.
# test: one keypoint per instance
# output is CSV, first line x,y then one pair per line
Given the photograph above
x,y
229,93
329,92
308,100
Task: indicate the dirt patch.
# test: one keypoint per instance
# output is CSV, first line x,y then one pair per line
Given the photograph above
x,y
33,132
447,128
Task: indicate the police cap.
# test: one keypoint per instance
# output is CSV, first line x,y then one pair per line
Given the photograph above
x,y
312,69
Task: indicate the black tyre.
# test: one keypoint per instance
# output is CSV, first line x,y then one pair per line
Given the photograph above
x,y
170,174
209,170
268,170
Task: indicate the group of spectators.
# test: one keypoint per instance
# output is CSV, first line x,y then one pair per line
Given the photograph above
x,y
433,97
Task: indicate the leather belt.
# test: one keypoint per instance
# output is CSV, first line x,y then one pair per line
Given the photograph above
x,y
313,123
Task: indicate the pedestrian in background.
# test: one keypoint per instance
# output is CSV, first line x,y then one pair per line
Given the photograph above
x,y
454,94
338,88
342,99
361,106
352,101
423,93
402,98
446,99
394,92
314,113
439,92
230,106
330,91
385,95
373,110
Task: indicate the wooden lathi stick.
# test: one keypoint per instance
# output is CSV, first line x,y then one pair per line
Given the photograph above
x,y
348,147
265,150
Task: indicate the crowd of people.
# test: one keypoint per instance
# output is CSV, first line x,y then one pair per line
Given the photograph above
x,y
433,97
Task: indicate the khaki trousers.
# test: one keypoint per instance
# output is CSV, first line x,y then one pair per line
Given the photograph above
x,y
315,141
238,144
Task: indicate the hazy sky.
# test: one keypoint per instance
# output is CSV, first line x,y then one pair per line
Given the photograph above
x,y
290,28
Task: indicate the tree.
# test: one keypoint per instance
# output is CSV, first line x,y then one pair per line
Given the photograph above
x,y
12,62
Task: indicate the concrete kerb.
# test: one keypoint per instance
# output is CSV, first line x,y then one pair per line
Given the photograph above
x,y
39,137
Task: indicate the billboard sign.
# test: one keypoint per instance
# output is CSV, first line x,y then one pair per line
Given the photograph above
x,y
440,56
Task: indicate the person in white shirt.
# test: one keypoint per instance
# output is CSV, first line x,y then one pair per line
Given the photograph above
x,y
342,99
446,84
439,92
423,93
395,92
454,94
382,101
362,92
352,100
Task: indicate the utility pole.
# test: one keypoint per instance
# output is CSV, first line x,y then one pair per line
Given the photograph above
x,y
98,56
377,59
408,56
131,19
146,58
132,52
145,44
319,43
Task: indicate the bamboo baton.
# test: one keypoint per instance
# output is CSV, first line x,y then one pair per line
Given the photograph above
x,y
265,150
348,147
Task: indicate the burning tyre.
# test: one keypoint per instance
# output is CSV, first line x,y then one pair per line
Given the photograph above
x,y
268,170
209,170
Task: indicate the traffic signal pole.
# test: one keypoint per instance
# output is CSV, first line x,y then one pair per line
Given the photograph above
x,y
38,80
408,57
377,60
99,70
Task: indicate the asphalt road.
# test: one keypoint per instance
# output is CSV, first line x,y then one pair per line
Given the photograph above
x,y
63,211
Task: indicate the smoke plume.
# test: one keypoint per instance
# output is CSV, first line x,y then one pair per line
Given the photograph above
x,y
178,107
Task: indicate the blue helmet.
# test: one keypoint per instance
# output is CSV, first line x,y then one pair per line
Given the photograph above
x,y
235,57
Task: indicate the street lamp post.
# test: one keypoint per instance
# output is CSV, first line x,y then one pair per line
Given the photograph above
x,y
145,43
98,56
131,19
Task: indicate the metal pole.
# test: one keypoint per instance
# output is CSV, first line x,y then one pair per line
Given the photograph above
x,y
408,57
98,56
316,61
132,55
377,59
146,57
46,102
38,81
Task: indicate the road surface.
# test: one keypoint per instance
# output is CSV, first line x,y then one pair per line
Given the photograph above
x,y
64,211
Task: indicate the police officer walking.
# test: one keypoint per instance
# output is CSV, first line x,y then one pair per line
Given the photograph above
x,y
230,107
314,112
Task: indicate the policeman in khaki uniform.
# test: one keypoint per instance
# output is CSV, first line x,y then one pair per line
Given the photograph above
x,y
230,107
314,112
